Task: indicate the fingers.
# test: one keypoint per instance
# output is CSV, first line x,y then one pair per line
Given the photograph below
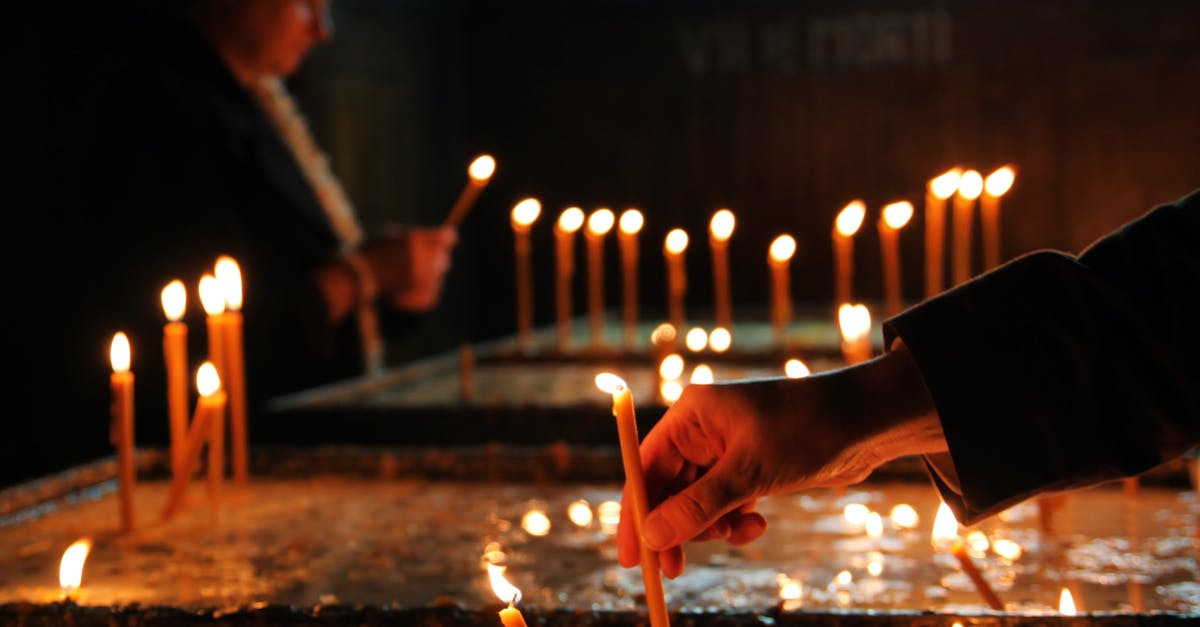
x,y
672,561
687,514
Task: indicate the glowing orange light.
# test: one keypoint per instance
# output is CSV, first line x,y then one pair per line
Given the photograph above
x,y
696,339
795,369
631,221
721,225
229,276
207,379
119,352
970,185
610,383
482,168
782,248
671,367
1066,603
70,569
505,591
580,513
570,220
212,297
904,516
945,528
897,214
850,218
999,182
702,374
855,322
670,390
856,513
601,221
535,522
1007,549
174,300
526,212
720,340
677,241
945,185
663,335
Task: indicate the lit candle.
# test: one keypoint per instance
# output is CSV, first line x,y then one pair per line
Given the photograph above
x,y
70,568
969,188
523,216
696,339
893,218
212,297
509,616
720,228
478,174
673,249
845,226
779,258
210,407
855,324
795,369
121,430
719,340
598,225
1066,603
945,536
635,483
996,185
229,275
627,236
702,374
174,302
936,193
568,223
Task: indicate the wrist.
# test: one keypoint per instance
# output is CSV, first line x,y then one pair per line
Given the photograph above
x,y
897,416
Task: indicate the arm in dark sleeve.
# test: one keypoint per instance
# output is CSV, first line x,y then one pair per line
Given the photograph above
x,y
1055,372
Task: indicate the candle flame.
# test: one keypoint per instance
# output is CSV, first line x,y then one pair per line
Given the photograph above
x,y
119,352
999,182
671,367
504,590
677,241
721,225
631,221
535,522
782,248
610,383
850,218
789,589
663,334
855,322
570,220
897,214
945,185
702,374
207,379
904,516
720,340
874,525
670,390
844,578
945,526
212,297
580,513
970,185
526,212
70,569
601,221
229,275
856,513
174,300
696,339
795,369
482,168
1066,603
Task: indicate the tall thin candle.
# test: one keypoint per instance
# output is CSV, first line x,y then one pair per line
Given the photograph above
x,y
627,236
936,193
848,222
893,218
229,275
568,223
674,248
478,174
720,228
598,225
121,430
995,185
523,216
969,188
779,258
212,297
174,302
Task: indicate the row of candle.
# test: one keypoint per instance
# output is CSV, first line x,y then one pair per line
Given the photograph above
x,y
965,187
221,296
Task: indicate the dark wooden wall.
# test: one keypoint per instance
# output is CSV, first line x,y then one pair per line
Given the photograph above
x,y
782,111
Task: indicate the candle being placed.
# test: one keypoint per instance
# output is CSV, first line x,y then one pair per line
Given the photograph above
x,y
720,229
210,407
509,616
855,324
937,192
848,221
174,302
598,225
673,248
229,275
568,223
212,298
891,220
479,173
70,568
635,484
121,428
994,186
969,188
779,258
627,236
523,216
945,537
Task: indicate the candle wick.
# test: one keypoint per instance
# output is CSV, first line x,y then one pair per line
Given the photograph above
x,y
516,596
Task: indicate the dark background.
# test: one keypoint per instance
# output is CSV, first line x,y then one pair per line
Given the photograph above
x,y
782,111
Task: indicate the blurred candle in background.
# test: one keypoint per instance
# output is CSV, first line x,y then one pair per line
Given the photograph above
x,y
720,229
627,237
598,225
568,223
996,185
848,221
937,192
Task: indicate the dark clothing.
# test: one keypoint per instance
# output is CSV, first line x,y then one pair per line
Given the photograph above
x,y
1056,372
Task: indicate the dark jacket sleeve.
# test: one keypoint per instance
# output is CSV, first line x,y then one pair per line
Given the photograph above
x,y
1056,372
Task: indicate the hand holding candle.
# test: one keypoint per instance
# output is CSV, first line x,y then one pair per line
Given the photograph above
x,y
895,216
479,173
523,216
673,249
720,229
938,190
229,275
568,223
174,302
969,188
635,489
779,258
848,221
945,536
598,225
996,185
121,384
627,236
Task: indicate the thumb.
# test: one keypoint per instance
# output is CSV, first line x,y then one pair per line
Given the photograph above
x,y
684,515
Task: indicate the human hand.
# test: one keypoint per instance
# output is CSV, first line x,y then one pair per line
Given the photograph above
x,y
410,265
721,447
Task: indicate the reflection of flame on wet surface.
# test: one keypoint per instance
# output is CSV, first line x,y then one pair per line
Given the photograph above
x,y
535,522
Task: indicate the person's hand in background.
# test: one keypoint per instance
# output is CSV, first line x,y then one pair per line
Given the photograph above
x,y
411,264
